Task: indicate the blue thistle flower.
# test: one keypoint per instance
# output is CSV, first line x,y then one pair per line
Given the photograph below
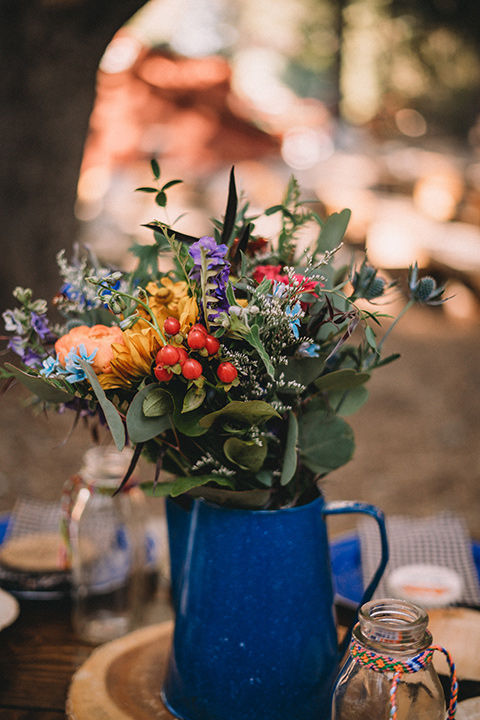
x,y
424,290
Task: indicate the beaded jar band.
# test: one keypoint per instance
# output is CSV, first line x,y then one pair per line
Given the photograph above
x,y
384,664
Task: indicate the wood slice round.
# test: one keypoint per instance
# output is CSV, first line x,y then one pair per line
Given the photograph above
x,y
122,679
458,630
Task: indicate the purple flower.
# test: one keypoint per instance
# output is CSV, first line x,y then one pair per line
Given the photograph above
x,y
12,320
20,347
215,253
17,344
31,358
219,271
40,325
221,290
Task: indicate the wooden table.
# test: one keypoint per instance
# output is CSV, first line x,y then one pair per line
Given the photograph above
x,y
39,654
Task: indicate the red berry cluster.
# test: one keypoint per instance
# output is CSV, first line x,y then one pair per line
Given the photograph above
x,y
197,340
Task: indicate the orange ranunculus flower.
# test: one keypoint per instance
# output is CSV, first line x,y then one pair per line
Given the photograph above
x,y
99,337
133,359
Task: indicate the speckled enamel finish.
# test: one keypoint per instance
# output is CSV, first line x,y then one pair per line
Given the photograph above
x,y
255,635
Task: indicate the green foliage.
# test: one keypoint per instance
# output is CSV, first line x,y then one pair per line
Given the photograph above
x,y
247,455
253,412
285,351
112,416
289,465
142,426
325,440
48,392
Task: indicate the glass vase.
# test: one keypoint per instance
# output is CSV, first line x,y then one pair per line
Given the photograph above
x,y
107,546
389,629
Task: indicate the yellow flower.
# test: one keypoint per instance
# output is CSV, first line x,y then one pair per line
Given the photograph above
x,y
187,313
132,361
170,300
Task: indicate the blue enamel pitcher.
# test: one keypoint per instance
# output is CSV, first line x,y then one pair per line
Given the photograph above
x,y
255,635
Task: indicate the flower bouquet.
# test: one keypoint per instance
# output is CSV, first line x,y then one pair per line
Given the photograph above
x,y
230,361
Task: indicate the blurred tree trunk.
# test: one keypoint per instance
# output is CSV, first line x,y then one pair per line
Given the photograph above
x,y
49,55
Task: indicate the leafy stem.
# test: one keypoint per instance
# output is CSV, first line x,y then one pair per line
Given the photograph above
x,y
394,323
203,284
119,293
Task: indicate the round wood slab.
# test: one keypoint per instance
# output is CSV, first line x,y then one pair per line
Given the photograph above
x,y
458,630
121,680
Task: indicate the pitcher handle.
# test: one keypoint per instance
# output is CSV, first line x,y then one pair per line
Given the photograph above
x,y
348,506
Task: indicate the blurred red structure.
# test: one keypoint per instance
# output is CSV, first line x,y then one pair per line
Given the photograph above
x,y
169,106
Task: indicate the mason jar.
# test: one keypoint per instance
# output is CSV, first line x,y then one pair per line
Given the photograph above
x,y
107,544
390,630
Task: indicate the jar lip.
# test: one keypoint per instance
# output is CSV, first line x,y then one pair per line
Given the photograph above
x,y
393,622
105,465
393,610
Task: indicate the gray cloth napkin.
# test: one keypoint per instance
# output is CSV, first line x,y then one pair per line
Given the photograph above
x,y
438,540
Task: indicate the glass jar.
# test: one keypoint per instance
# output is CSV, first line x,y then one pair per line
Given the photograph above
x,y
395,630
107,547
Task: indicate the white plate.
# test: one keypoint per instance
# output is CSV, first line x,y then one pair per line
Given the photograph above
x,y
9,609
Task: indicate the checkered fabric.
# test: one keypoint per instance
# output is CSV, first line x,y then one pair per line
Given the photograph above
x,y
438,540
30,515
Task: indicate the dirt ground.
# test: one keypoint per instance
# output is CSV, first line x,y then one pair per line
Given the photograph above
x,y
418,444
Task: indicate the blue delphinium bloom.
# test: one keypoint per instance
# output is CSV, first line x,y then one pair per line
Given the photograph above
x,y
279,289
72,366
294,314
308,349
50,366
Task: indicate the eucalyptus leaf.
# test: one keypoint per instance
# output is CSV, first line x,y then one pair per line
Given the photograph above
x,y
157,402
161,489
265,477
301,370
193,399
326,442
348,402
290,455
239,499
141,428
187,483
332,232
251,412
112,416
343,379
40,387
187,423
247,455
